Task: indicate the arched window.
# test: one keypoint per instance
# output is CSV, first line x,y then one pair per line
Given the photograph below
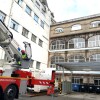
x,y
76,58
55,59
57,45
76,43
59,30
94,41
95,24
95,57
76,27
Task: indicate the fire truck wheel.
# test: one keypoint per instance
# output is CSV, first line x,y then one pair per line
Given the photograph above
x,y
1,94
10,92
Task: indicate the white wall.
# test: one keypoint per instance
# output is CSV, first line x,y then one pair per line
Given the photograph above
x,y
18,14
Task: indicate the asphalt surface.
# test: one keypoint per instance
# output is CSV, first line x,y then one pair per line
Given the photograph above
x,y
73,96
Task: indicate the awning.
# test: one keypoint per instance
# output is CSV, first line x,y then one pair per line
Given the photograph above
x,y
80,66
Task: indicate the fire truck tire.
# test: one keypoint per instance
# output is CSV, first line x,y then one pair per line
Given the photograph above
x,y
10,92
1,95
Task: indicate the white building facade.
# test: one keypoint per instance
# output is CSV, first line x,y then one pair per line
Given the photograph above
x,y
29,20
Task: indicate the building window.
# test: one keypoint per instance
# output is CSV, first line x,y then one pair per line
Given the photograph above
x,y
57,45
14,25
55,59
76,43
76,27
42,24
95,24
77,80
97,81
2,16
40,42
32,0
20,2
43,11
25,32
76,58
37,5
28,10
59,30
31,63
38,65
33,38
95,57
94,41
36,18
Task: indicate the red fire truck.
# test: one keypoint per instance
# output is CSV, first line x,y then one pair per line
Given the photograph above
x,y
14,80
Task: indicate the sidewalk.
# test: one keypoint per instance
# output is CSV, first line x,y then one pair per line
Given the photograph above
x,y
82,96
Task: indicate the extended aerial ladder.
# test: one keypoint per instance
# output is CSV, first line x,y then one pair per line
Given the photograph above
x,y
13,80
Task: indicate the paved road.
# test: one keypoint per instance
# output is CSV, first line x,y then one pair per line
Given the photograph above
x,y
47,98
77,96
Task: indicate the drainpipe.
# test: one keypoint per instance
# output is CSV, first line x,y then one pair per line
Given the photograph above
x,y
63,87
10,13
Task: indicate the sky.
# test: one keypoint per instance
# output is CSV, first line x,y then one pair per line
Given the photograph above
x,y
70,9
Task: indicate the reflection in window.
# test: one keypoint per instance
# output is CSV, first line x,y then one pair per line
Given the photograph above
x,y
76,27
20,2
76,43
14,25
94,41
28,10
59,30
55,59
95,57
76,58
57,45
36,18
95,24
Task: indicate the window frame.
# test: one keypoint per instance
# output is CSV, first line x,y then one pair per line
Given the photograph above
x,y
37,4
94,41
76,42
28,10
94,57
59,30
38,65
20,2
95,24
36,18
25,32
14,26
57,45
42,24
33,38
76,27
3,15
40,43
76,58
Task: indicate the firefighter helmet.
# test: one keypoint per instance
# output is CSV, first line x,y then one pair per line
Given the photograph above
x,y
23,51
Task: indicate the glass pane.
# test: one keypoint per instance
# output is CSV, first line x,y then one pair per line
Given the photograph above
x,y
36,18
96,82
76,27
28,10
